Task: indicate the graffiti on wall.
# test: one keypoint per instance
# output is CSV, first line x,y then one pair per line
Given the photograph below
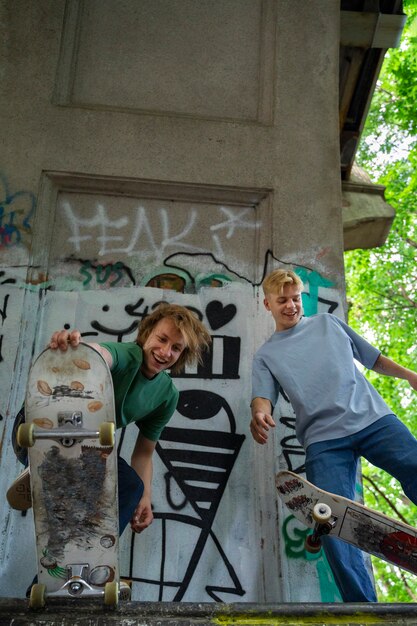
x,y
11,305
198,465
200,455
200,501
143,235
106,275
16,213
133,237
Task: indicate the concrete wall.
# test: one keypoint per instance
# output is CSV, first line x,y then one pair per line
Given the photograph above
x,y
170,145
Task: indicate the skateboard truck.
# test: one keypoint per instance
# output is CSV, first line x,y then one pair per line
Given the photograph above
x,y
77,576
76,585
68,432
324,522
73,420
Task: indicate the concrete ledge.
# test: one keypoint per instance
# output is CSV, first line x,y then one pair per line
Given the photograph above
x,y
71,613
367,218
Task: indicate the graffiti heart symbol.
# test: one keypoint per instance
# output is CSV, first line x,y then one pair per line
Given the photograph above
x,y
219,315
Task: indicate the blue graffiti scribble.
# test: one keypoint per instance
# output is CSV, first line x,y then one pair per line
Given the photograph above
x,y
16,212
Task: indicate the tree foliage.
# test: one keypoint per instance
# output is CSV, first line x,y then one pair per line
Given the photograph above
x,y
382,282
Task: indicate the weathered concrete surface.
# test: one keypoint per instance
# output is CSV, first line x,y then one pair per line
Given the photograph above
x,y
15,612
138,130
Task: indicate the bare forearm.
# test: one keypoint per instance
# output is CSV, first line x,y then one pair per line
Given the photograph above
x,y
141,462
144,468
388,367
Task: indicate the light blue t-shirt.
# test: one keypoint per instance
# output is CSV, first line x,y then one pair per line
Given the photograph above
x,y
313,363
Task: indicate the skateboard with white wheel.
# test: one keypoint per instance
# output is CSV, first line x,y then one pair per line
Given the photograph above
x,y
329,514
70,436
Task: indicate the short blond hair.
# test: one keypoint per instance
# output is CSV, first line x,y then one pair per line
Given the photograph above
x,y
275,281
197,338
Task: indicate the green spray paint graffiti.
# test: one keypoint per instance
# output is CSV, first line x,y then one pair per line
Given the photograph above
x,y
311,299
294,539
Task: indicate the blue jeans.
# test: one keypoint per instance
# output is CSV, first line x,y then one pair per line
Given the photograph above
x,y
130,487
332,465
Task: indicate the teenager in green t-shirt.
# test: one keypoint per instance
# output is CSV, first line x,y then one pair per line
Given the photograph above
x,y
168,339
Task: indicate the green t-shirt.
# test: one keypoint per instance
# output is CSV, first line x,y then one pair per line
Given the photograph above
x,y
151,402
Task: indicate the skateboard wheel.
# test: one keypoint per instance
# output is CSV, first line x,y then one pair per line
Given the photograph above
x,y
111,594
25,437
106,435
37,596
312,546
322,513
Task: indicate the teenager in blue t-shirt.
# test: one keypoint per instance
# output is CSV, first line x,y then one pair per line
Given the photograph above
x,y
339,414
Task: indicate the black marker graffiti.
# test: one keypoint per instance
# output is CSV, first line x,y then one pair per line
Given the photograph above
x,y
269,257
119,334
219,315
3,311
292,450
200,463
6,281
229,363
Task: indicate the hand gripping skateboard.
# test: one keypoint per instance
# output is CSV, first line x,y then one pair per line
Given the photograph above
x,y
330,514
69,433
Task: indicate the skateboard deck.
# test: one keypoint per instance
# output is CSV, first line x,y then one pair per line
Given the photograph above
x,y
73,476
373,532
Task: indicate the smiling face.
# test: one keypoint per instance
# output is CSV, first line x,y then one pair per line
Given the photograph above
x,y
286,308
162,348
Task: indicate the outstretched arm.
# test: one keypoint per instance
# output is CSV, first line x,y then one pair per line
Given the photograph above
x,y
141,462
261,420
388,367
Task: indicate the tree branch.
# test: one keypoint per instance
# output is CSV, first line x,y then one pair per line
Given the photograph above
x,y
407,297
407,586
387,500
411,242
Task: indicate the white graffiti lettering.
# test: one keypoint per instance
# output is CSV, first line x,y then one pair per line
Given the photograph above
x,y
153,235
234,221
